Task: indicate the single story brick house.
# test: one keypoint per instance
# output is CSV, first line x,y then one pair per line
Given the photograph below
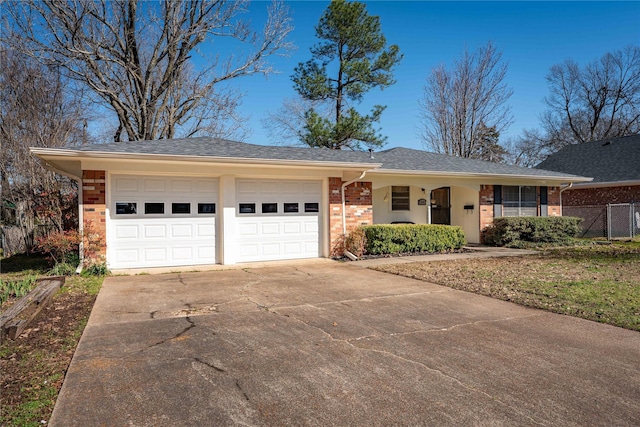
x,y
614,165
204,200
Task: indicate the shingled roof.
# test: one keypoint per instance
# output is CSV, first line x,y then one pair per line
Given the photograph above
x,y
394,159
608,160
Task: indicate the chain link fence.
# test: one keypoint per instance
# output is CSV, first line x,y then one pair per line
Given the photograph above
x,y
611,221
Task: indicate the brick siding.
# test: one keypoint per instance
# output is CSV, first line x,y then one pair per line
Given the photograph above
x,y
601,196
94,207
359,209
486,206
553,201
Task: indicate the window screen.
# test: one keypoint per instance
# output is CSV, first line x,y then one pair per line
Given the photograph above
x,y
400,200
519,200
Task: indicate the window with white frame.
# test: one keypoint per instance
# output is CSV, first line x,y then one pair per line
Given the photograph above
x,y
519,200
400,200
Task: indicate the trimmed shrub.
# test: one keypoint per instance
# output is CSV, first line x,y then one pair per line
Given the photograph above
x,y
383,239
528,231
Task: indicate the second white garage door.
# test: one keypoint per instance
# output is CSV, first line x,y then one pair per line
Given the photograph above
x,y
278,219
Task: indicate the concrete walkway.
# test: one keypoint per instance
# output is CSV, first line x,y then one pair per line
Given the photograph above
x,y
332,344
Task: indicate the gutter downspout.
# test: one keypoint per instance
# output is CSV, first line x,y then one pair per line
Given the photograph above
x,y
80,213
561,190
344,208
349,255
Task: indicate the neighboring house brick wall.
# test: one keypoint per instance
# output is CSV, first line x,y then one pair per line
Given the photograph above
x,y
359,209
94,208
601,196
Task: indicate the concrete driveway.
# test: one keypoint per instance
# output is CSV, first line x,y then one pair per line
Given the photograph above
x,y
322,343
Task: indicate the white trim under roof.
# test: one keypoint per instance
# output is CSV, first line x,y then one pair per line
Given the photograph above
x,y
586,185
47,154
562,178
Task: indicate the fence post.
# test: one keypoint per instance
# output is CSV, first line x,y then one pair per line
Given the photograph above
x,y
609,221
631,220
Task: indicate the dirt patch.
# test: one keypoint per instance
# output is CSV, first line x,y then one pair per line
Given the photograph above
x,y
33,366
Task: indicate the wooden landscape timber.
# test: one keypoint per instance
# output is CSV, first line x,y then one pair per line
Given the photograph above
x,y
17,317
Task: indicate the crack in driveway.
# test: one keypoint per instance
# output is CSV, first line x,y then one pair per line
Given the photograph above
x,y
351,342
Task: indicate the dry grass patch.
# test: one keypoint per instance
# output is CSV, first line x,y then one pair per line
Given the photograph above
x,y
595,282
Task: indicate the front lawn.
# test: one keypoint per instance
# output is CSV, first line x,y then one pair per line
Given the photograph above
x,y
594,282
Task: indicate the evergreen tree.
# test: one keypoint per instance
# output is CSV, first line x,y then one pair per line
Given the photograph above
x,y
351,59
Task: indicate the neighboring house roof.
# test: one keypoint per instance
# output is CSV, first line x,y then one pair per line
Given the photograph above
x,y
607,161
395,160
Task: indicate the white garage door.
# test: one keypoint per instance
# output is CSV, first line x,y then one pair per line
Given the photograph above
x,y
278,219
158,221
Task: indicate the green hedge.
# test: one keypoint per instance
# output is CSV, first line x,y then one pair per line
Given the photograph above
x,y
385,239
525,231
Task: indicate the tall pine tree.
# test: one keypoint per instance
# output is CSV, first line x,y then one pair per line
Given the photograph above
x,y
351,59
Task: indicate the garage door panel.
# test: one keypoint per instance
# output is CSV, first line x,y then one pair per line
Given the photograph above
x,y
268,188
248,228
291,228
292,248
278,235
154,185
122,184
181,253
127,231
154,254
154,231
181,186
159,240
206,230
311,227
181,231
270,228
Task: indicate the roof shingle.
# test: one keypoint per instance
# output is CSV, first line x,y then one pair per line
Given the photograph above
x,y
394,159
608,160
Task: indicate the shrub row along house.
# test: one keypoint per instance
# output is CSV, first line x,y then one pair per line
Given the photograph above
x,y
614,165
204,201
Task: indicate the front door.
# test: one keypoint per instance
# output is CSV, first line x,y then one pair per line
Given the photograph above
x,y
441,206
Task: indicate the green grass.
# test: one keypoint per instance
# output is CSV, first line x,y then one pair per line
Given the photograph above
x,y
39,396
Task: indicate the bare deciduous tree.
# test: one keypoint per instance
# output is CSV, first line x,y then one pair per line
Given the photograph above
x,y
462,104
136,57
600,100
285,125
36,110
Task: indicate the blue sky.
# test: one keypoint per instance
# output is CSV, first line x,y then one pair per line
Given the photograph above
x,y
533,36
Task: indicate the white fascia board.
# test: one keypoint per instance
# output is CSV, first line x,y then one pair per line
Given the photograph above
x,y
606,184
46,154
441,174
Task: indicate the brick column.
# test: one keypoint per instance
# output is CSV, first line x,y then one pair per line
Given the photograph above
x,y
553,201
94,212
486,206
359,209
